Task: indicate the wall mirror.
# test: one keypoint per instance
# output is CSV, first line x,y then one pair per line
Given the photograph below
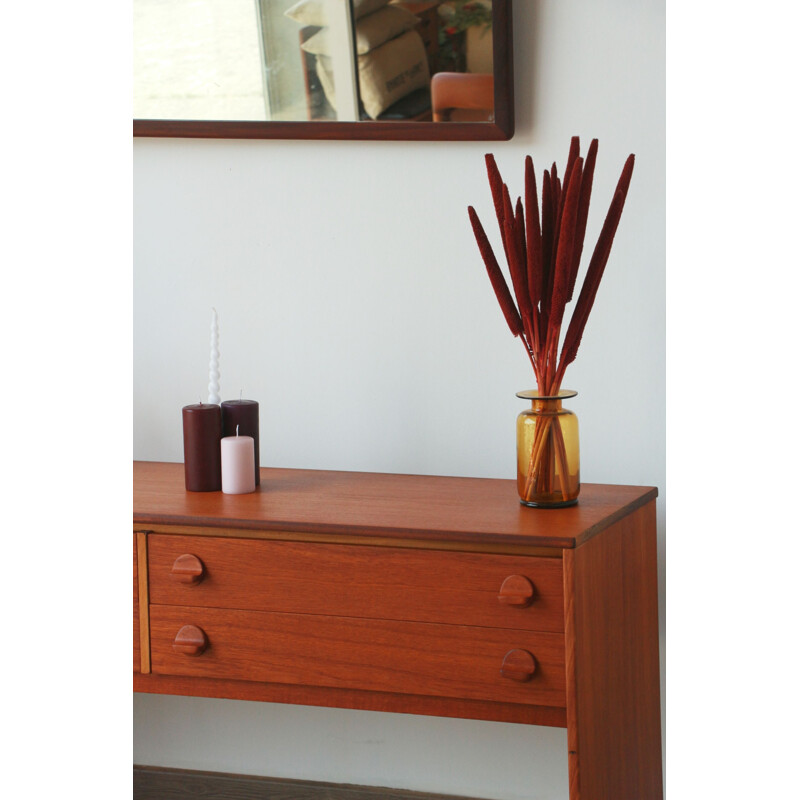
x,y
323,69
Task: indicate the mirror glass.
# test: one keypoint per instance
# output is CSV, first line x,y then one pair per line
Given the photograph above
x,y
314,61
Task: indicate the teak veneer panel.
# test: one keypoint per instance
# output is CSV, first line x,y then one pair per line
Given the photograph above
x,y
142,595
613,708
379,592
348,580
391,702
455,661
420,507
137,656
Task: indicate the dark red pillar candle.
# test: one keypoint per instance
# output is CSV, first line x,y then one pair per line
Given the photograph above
x,y
202,431
243,413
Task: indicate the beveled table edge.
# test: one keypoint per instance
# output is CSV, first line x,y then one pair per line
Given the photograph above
x,y
393,535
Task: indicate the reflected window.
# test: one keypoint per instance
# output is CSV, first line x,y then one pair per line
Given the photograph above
x,y
197,59
284,60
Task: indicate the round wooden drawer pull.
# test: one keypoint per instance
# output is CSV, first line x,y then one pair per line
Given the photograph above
x,y
518,665
190,641
188,569
516,590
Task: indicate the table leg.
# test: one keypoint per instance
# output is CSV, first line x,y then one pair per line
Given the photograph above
x,y
613,688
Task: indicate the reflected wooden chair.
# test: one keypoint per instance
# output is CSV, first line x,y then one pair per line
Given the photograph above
x,y
462,97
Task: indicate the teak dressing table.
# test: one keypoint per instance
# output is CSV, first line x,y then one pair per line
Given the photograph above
x,y
417,594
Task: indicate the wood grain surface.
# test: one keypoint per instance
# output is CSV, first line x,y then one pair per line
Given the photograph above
x,y
357,504
354,581
613,707
159,783
412,594
373,655
142,630
137,657
392,702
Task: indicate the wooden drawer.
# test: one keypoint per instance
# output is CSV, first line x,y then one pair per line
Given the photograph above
x,y
373,655
352,580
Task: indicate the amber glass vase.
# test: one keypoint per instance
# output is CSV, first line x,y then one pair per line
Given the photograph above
x,y
548,456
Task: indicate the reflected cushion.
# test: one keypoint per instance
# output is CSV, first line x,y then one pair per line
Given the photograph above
x,y
325,74
371,31
392,71
312,12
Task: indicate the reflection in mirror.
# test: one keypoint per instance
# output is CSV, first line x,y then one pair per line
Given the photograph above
x,y
313,60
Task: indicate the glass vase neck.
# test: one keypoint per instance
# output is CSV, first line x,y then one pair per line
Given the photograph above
x,y
544,402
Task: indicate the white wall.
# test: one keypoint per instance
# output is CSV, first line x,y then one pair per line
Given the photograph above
x,y
354,307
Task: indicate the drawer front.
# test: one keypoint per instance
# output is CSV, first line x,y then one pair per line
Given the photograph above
x,y
358,581
373,655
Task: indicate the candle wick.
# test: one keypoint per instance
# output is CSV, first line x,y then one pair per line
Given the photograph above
x,y
237,430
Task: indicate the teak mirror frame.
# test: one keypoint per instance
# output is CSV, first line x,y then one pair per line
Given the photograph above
x,y
501,129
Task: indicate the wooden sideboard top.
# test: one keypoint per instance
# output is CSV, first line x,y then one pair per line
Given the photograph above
x,y
420,508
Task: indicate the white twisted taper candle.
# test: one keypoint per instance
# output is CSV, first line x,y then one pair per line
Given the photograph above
x,y
213,364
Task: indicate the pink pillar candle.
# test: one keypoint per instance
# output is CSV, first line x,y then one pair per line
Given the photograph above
x,y
244,414
237,454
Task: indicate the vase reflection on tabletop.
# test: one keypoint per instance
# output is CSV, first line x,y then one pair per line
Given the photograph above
x,y
548,452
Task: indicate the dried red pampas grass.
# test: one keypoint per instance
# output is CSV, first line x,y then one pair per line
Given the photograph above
x,y
543,250
543,244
